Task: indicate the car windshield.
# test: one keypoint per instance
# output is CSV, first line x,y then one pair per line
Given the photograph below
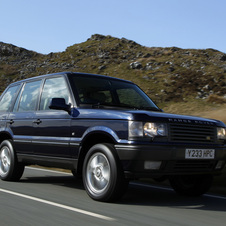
x,y
103,92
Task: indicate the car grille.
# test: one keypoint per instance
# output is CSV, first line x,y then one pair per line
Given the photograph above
x,y
192,133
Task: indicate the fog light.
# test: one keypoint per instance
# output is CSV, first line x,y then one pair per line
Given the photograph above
x,y
220,164
153,165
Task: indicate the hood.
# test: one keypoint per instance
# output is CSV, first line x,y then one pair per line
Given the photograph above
x,y
145,116
174,118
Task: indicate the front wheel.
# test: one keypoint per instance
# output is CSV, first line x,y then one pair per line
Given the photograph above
x,y
10,169
103,176
191,185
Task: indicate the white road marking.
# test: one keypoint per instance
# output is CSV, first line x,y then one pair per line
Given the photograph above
x,y
215,196
59,205
170,189
47,170
151,186
135,183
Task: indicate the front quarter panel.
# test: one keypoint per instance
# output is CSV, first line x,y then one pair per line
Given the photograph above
x,y
116,129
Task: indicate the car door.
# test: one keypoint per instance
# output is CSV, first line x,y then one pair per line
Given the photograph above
x,y
20,120
52,127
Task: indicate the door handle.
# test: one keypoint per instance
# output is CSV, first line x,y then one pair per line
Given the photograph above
x,y
11,121
38,121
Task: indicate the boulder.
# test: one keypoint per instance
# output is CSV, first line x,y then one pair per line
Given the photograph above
x,y
136,65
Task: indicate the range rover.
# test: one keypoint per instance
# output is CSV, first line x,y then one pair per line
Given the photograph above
x,y
108,131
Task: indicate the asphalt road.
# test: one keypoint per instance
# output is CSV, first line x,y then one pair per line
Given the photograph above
x,y
53,198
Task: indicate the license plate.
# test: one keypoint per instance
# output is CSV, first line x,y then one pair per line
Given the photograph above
x,y
199,154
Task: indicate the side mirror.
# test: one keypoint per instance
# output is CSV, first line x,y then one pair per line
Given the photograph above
x,y
60,104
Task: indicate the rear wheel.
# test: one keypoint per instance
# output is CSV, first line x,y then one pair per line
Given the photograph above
x,y
103,176
10,169
191,185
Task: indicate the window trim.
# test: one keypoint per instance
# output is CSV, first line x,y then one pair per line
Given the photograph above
x,y
21,85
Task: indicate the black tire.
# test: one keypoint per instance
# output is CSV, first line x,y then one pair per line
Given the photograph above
x,y
103,176
191,185
10,169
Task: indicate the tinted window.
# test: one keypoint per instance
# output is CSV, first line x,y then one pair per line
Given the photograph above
x,y
6,100
110,92
28,99
129,97
53,88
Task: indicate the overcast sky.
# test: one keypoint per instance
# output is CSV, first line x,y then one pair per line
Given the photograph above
x,y
48,26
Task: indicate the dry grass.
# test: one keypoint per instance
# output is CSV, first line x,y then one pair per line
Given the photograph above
x,y
198,108
219,114
216,99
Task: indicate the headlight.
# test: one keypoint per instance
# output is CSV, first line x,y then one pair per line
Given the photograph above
x,y
148,129
155,129
135,129
221,133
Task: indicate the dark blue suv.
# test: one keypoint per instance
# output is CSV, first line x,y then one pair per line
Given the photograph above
x,y
107,130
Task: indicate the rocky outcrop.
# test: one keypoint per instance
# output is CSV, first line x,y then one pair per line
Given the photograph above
x,y
165,73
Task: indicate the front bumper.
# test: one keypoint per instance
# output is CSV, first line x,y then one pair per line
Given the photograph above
x,y
171,157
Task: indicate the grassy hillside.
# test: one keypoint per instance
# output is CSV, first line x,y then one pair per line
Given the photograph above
x,y
186,81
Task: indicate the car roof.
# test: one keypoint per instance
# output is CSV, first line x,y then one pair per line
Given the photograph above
x,y
68,73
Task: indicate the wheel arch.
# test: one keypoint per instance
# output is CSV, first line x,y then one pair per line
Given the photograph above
x,y
94,137
4,136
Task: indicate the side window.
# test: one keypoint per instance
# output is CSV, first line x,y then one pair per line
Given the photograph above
x,y
53,88
6,100
28,99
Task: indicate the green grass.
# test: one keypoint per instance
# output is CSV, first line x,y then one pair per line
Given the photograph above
x,y
163,85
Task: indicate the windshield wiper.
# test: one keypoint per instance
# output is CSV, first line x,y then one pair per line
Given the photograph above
x,y
124,106
102,105
149,108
